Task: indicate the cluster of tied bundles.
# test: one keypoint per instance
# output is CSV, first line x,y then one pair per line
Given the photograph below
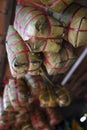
x,y
33,37
41,112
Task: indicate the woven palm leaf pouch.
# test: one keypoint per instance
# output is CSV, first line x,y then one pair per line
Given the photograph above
x,y
75,19
21,60
40,31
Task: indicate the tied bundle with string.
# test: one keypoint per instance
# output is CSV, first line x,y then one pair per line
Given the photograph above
x,y
39,120
23,120
35,85
75,19
34,3
6,100
21,59
57,63
54,95
6,118
18,94
40,31
56,5
47,98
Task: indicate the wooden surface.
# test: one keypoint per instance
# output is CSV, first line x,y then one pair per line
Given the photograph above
x,y
7,11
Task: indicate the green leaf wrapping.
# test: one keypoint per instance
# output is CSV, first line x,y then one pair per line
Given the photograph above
x,y
21,60
35,84
6,101
57,5
75,19
57,63
6,118
18,94
40,31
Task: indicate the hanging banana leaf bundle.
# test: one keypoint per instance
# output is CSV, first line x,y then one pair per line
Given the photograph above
x,y
47,98
18,94
54,115
57,63
75,19
57,5
27,126
34,3
21,118
40,31
6,101
28,2
3,117
6,118
35,84
62,96
53,95
39,121
21,60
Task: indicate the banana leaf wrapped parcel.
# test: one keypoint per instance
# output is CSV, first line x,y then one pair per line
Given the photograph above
x,y
34,83
57,63
40,31
6,100
39,121
21,60
53,96
75,19
47,98
22,118
18,94
28,2
6,118
57,5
